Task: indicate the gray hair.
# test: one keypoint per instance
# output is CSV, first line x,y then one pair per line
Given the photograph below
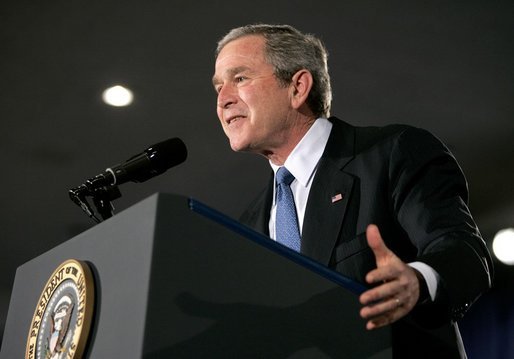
x,y
288,51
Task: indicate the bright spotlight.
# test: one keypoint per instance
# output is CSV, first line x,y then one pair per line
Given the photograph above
x,y
503,246
118,96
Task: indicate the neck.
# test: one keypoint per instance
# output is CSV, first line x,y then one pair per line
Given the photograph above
x,y
279,155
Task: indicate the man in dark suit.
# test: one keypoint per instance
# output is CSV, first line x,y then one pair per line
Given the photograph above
x,y
384,206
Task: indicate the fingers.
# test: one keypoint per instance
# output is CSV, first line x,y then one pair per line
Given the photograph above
x,y
398,293
383,274
376,242
383,255
384,305
392,310
382,308
383,313
390,301
388,264
382,292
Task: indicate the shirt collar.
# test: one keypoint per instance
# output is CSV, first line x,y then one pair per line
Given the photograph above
x,y
304,158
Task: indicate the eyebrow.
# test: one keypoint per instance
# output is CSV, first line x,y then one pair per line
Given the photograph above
x,y
230,72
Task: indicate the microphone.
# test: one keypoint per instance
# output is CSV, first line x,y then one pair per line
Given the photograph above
x,y
153,161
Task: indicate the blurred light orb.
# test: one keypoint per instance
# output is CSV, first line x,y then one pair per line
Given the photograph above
x,y
503,246
117,96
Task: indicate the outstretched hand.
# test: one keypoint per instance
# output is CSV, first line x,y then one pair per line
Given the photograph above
x,y
399,291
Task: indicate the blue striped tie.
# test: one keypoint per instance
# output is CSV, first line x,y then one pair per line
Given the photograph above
x,y
286,225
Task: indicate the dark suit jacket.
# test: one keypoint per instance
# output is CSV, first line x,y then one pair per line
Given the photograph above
x,y
406,182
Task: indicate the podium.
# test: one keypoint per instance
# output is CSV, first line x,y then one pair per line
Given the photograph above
x,y
176,279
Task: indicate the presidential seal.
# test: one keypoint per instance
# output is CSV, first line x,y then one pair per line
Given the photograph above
x,y
62,319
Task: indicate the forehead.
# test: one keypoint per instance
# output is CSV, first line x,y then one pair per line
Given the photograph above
x,y
247,51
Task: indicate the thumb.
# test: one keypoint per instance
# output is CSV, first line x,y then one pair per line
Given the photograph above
x,y
377,245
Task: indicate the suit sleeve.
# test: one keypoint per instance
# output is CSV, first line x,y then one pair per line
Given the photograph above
x,y
430,196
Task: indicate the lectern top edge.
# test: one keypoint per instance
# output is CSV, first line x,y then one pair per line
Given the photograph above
x,y
260,239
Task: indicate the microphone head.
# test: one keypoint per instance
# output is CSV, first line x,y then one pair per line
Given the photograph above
x,y
153,161
166,154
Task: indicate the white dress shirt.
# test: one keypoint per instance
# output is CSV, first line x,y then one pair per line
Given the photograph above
x,y
302,163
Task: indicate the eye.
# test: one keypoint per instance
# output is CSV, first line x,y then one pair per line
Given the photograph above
x,y
240,79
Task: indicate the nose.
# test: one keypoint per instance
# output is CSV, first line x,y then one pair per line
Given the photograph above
x,y
226,96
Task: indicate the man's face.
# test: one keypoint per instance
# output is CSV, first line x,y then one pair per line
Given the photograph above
x,y
253,107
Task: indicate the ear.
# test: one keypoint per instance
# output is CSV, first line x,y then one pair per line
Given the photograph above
x,y
301,85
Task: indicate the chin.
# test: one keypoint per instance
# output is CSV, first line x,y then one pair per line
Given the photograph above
x,y
240,146
237,147
240,149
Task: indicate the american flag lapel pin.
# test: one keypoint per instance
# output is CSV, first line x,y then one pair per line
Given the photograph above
x,y
337,197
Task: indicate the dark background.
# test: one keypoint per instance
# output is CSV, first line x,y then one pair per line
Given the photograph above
x,y
442,65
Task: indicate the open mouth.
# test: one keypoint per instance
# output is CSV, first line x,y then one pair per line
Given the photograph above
x,y
234,119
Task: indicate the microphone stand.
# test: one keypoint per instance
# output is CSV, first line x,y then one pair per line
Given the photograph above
x,y
102,195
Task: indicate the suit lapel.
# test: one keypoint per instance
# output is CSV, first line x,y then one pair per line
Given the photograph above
x,y
329,195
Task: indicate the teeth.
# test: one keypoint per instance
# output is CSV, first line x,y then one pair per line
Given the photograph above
x,y
234,119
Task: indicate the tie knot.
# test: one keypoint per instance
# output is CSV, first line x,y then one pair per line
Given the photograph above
x,y
284,176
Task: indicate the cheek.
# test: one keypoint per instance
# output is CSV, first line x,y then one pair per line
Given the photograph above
x,y
219,112
248,97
